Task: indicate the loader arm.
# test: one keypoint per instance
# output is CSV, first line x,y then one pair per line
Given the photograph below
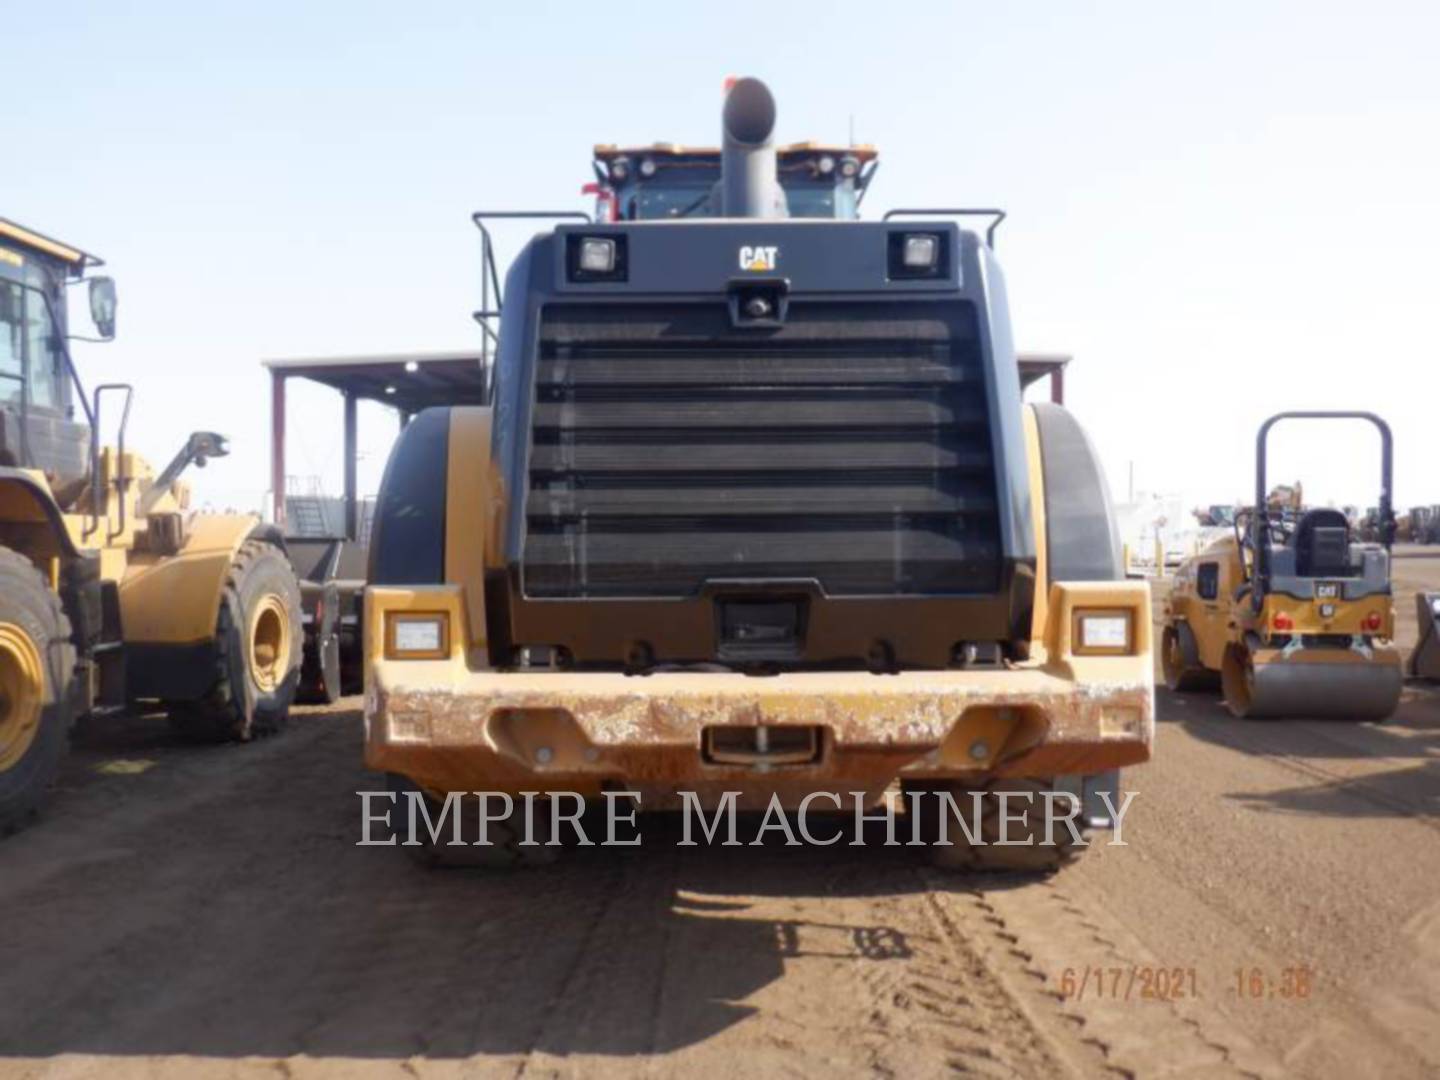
x,y
199,448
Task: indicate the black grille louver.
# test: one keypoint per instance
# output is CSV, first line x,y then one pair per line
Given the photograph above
x,y
850,446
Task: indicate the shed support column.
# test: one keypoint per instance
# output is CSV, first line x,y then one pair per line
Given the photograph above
x,y
277,447
1057,386
352,518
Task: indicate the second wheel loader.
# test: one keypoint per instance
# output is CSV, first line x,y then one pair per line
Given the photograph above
x,y
113,595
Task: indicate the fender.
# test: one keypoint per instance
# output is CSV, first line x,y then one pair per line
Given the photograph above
x,y
26,500
175,599
436,519
471,520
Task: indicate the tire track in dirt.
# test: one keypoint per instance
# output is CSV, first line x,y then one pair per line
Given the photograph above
x,y
1044,932
603,1003
1043,1048
211,916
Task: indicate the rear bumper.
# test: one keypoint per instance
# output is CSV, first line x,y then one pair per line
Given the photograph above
x,y
449,727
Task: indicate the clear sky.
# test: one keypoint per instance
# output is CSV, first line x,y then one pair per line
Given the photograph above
x,y
1222,210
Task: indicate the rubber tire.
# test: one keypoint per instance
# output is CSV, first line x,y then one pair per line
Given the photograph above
x,y
1082,543
1035,858
28,602
1181,676
320,666
234,709
1082,538
504,852
329,686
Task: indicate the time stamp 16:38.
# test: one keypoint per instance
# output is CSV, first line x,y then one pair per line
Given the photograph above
x,y
1154,983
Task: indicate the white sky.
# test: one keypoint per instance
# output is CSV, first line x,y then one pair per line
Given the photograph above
x,y
1222,210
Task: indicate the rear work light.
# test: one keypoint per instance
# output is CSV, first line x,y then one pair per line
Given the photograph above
x,y
921,250
596,258
597,255
919,255
1103,633
416,636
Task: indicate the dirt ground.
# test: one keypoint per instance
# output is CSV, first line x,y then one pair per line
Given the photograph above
x,y
203,913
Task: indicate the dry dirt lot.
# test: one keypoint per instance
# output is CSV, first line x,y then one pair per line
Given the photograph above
x,y
202,913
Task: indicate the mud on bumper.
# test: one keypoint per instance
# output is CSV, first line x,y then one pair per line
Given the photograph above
x,y
450,727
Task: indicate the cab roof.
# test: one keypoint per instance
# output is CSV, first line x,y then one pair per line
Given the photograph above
x,y
609,151
72,257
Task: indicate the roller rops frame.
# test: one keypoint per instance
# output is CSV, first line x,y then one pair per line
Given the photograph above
x,y
1260,523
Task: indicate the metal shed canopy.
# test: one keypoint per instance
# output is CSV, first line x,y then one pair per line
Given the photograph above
x,y
407,382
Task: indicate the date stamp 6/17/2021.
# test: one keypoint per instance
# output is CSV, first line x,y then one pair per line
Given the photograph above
x,y
1154,983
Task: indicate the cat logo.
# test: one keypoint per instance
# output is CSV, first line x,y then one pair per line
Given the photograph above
x,y
759,259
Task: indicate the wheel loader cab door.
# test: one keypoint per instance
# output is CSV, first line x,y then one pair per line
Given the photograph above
x,y
36,428
1211,612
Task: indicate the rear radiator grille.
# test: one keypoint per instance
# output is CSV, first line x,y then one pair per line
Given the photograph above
x,y
851,446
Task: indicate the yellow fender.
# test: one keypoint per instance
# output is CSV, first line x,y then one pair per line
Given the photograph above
x,y
175,599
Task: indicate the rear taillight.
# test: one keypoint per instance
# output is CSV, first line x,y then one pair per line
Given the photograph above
x,y
1282,622
1372,623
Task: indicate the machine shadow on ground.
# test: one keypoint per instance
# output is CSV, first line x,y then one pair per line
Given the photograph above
x,y
215,904
1318,748
245,922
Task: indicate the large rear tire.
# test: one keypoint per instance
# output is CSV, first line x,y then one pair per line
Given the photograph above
x,y
258,643
37,704
503,851
1024,850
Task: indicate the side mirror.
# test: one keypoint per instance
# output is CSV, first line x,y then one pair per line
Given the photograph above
x,y
102,305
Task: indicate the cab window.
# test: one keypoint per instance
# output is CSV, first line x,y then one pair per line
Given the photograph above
x,y
12,342
1207,581
45,363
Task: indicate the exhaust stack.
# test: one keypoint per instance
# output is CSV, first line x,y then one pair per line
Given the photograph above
x,y
749,186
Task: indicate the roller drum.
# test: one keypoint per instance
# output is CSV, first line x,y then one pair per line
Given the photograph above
x,y
1342,690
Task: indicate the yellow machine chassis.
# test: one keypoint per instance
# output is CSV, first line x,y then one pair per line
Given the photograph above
x,y
169,601
450,723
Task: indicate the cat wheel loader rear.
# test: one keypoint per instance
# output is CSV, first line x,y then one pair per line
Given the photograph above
x,y
111,594
1290,616
758,508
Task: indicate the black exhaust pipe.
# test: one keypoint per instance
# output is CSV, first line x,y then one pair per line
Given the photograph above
x,y
749,184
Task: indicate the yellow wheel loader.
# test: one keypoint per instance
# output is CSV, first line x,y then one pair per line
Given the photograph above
x,y
1290,616
1425,660
758,520
112,595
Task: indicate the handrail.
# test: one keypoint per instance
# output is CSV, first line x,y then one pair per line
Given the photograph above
x,y
490,278
997,214
121,480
